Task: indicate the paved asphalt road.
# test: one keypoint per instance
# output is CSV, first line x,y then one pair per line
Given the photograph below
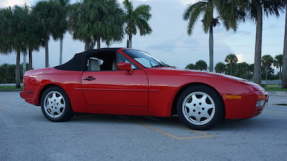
x,y
26,135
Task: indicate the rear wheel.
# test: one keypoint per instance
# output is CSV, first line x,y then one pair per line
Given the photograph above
x,y
56,105
200,107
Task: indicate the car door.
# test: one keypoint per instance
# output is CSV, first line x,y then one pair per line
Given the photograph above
x,y
114,91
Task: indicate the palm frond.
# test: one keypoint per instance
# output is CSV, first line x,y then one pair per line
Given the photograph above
x,y
188,12
143,11
208,20
192,13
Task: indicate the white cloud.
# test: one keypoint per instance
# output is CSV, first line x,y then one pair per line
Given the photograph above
x,y
240,58
11,3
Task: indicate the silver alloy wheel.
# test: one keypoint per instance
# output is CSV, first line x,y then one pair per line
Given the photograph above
x,y
54,104
198,108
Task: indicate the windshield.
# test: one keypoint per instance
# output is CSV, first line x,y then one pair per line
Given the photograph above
x,y
145,59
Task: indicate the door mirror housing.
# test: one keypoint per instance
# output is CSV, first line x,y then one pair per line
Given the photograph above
x,y
124,66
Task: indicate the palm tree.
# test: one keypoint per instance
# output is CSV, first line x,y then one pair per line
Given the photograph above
x,y
6,38
33,40
255,10
60,23
278,62
201,65
19,20
96,21
231,61
228,12
220,67
284,67
13,34
78,25
266,63
136,19
45,13
5,35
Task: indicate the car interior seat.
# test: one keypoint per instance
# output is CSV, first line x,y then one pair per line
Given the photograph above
x,y
94,64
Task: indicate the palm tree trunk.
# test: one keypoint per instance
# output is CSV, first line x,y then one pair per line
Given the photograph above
x,y
211,48
130,41
266,76
98,43
87,45
17,70
30,65
280,73
47,54
61,51
24,61
284,67
258,46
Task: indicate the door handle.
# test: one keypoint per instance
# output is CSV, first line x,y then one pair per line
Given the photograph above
x,y
90,78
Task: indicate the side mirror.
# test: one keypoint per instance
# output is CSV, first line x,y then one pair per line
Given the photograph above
x,y
124,66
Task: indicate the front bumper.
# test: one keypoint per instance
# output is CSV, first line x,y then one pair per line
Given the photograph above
x,y
27,96
246,106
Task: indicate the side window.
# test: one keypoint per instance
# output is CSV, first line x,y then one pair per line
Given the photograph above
x,y
103,61
94,64
123,59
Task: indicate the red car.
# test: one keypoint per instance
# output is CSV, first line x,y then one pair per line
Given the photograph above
x,y
130,82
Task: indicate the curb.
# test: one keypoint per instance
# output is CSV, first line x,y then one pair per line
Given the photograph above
x,y
277,93
11,90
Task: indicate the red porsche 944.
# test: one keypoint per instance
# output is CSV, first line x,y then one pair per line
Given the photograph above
x,y
131,82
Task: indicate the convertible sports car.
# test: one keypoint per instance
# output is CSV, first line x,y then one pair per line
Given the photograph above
x,y
130,82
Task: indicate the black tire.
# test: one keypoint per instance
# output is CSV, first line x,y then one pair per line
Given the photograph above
x,y
67,112
219,107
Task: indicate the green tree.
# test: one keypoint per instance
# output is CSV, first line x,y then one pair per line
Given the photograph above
x,y
266,62
136,19
201,65
220,67
60,22
278,62
6,25
243,70
255,10
190,66
231,61
95,21
45,13
13,33
228,14
78,25
33,40
6,39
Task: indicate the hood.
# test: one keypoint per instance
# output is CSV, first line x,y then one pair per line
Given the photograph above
x,y
212,75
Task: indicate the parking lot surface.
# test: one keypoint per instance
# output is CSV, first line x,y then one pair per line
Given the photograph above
x,y
26,135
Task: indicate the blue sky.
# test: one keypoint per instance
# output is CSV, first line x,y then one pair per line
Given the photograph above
x,y
169,40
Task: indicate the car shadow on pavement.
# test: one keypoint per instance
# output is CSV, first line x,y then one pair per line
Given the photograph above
x,y
172,122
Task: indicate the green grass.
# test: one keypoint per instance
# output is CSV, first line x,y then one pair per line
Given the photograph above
x,y
9,88
274,88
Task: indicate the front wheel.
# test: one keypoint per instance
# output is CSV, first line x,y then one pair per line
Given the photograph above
x,y
56,105
200,107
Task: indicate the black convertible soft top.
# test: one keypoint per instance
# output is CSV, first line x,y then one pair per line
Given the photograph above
x,y
79,61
